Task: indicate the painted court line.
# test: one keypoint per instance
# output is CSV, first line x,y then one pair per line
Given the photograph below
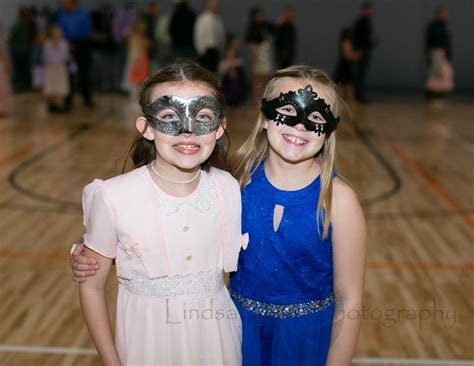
x,y
411,361
430,181
50,350
358,360
415,266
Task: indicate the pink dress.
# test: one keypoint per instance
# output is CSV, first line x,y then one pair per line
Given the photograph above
x,y
171,253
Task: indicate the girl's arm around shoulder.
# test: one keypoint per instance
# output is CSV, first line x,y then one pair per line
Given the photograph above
x,y
349,260
94,306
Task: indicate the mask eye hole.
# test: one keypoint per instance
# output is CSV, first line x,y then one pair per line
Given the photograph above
x,y
316,117
167,115
287,110
205,115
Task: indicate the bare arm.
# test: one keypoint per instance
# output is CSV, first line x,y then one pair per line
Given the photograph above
x,y
95,310
348,51
82,266
349,260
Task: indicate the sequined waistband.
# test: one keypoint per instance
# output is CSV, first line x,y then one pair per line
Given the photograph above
x,y
195,285
283,311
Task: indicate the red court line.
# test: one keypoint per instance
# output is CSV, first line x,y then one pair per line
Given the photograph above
x,y
53,256
61,256
468,267
430,181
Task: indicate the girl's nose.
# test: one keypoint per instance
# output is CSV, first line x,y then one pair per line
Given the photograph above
x,y
300,127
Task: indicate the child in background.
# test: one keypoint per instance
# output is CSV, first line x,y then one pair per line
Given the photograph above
x,y
231,70
137,59
440,75
173,227
38,61
56,79
5,76
303,269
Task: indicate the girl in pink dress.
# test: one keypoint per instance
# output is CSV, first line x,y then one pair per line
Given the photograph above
x,y
173,227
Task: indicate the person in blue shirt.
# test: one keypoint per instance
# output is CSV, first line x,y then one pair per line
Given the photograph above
x,y
77,28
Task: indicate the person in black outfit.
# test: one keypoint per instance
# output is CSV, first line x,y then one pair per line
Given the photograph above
x,y
285,39
437,38
437,34
182,31
363,43
344,74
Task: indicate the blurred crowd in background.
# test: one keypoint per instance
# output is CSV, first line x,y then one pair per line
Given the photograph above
x,y
59,52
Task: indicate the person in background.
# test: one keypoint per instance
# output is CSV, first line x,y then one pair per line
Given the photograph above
x,y
56,80
286,39
231,70
38,60
209,36
20,45
364,42
259,40
182,30
5,75
138,60
438,51
163,38
77,27
438,35
344,74
150,18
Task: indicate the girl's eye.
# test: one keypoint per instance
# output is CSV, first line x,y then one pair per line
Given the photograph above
x,y
168,116
205,115
316,117
288,110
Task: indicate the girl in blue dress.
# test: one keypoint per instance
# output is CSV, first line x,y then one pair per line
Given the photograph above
x,y
299,282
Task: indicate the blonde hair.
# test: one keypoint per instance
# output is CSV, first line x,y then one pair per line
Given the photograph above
x,y
255,149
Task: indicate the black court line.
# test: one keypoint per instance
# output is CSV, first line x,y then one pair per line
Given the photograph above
x,y
397,182
61,204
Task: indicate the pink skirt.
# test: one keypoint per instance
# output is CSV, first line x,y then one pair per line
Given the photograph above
x,y
183,320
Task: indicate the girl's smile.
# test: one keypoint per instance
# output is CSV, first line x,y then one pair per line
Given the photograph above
x,y
294,140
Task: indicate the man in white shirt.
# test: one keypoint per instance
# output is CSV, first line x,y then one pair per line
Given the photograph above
x,y
209,36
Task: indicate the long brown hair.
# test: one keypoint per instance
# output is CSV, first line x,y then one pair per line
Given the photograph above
x,y
183,71
255,149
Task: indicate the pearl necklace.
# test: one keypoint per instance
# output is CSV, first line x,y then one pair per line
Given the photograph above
x,y
175,181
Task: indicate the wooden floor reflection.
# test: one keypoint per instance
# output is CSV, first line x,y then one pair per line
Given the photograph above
x,y
411,164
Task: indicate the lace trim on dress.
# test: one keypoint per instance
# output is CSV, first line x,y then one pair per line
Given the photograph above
x,y
204,283
201,201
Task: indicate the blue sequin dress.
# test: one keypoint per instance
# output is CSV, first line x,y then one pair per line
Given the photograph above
x,y
283,287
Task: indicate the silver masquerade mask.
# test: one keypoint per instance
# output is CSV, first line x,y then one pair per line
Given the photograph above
x,y
172,115
305,102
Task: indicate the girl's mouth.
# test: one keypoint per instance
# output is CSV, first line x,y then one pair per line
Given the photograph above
x,y
187,148
294,140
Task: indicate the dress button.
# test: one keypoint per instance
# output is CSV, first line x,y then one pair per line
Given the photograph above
x,y
186,228
189,257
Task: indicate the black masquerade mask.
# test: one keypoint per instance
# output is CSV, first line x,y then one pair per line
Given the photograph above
x,y
174,116
305,102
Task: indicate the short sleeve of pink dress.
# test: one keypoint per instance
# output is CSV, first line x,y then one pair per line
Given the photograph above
x,y
99,221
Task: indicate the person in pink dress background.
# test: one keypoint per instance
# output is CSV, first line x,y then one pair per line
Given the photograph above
x,y
173,226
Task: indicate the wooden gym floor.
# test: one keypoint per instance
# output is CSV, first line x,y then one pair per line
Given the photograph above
x,y
411,164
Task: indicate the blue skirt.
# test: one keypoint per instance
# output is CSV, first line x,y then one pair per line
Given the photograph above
x,y
303,340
